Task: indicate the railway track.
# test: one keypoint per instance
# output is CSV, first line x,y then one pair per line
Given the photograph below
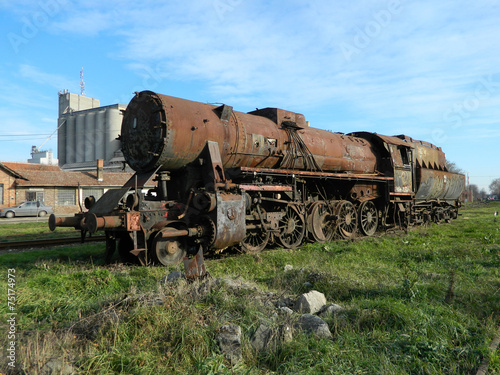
x,y
35,244
44,243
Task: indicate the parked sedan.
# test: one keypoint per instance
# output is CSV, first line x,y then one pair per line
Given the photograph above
x,y
26,209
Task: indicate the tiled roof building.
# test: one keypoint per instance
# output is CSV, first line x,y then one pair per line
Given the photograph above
x,y
21,182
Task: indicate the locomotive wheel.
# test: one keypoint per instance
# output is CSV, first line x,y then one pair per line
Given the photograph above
x,y
347,222
368,218
448,216
320,223
291,229
427,218
438,216
168,251
255,241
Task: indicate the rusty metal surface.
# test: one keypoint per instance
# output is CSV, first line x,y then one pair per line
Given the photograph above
x,y
93,223
167,132
321,221
87,221
215,159
403,181
74,221
279,116
195,268
230,220
429,156
340,176
425,154
364,191
169,249
174,233
439,185
133,220
384,138
265,187
402,163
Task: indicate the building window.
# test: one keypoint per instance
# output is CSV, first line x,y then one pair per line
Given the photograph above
x,y
66,197
35,196
1,193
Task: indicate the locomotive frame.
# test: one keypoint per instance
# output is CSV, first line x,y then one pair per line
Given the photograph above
x,y
225,178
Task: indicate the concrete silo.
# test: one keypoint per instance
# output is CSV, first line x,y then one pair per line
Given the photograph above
x,y
87,132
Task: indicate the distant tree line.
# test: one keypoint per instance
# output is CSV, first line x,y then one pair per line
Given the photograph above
x,y
476,193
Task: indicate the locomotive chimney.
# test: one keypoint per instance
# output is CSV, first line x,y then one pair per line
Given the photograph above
x,y
100,169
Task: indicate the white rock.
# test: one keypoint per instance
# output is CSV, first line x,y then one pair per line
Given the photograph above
x,y
310,303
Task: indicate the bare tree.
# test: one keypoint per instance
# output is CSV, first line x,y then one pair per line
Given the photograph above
x,y
482,194
495,187
476,193
452,167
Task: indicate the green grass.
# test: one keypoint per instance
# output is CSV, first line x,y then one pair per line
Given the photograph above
x,y
423,303
32,231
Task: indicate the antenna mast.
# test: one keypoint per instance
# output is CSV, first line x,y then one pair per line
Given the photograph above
x,y
82,83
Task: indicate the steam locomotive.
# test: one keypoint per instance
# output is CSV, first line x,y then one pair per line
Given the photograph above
x,y
208,178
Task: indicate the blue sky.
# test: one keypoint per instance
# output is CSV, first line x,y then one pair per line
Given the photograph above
x,y
427,69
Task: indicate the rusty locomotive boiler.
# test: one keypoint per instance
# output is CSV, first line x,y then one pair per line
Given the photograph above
x,y
221,178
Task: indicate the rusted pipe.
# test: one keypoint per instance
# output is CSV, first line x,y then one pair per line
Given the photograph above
x,y
174,233
187,205
74,222
94,223
105,222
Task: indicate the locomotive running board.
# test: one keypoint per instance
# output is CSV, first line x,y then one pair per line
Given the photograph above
x,y
340,176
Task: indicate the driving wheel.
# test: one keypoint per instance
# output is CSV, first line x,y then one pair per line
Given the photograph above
x,y
291,228
168,250
368,218
320,222
347,222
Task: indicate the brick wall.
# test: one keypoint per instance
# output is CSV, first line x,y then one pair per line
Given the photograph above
x,y
16,194
9,190
50,199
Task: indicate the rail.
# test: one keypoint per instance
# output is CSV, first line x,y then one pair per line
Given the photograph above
x,y
26,244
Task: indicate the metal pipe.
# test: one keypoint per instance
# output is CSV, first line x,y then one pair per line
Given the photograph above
x,y
93,223
64,222
174,233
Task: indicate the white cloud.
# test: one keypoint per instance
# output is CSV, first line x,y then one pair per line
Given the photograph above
x,y
36,75
424,56
414,60
415,65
